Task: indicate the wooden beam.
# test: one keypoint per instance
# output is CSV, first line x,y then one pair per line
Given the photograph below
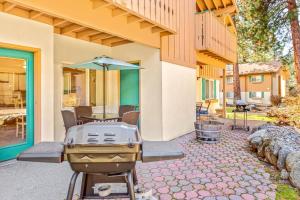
x,y
146,24
86,33
224,4
34,14
100,36
71,28
165,33
111,40
215,4
208,60
8,6
118,12
82,13
57,30
99,3
157,29
207,4
57,21
227,10
132,19
201,5
120,43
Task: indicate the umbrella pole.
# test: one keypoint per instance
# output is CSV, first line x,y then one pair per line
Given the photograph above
x,y
104,91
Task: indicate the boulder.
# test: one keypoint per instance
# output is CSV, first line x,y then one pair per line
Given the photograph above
x,y
282,155
295,175
256,142
284,175
292,159
262,127
259,133
270,156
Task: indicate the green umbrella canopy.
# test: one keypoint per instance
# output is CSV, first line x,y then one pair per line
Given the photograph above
x,y
99,63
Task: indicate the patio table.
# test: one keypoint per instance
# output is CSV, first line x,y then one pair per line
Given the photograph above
x,y
101,117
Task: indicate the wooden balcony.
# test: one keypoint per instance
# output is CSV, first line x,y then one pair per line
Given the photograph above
x,y
153,13
214,39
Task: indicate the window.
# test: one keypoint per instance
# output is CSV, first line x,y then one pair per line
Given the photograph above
x,y
74,87
209,89
229,95
229,80
256,79
256,95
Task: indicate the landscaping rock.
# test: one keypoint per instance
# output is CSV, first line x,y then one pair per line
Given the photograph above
x,y
270,156
282,155
280,146
295,175
291,160
284,175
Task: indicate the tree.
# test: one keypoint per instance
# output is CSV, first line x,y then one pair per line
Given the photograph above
x,y
268,30
293,11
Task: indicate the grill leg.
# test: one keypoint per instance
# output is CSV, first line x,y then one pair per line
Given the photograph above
x,y
72,186
130,185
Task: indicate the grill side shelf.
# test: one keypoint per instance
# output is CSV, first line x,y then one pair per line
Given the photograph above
x,y
161,150
49,152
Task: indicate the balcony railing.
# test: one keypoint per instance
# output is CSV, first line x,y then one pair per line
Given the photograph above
x,y
214,39
160,13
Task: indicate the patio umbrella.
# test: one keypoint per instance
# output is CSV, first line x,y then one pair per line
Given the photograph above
x,y
105,63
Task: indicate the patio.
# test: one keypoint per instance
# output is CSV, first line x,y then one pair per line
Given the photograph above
x,y
220,171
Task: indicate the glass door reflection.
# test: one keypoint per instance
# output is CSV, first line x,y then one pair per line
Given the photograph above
x,y
12,101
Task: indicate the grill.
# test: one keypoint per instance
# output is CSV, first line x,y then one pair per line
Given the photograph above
x,y
241,107
104,153
109,148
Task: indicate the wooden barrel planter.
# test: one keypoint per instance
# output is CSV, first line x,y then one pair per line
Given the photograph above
x,y
208,131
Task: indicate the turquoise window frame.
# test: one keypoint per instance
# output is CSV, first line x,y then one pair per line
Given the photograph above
x,y
11,151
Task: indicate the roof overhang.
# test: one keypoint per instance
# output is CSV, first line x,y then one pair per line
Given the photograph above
x,y
100,21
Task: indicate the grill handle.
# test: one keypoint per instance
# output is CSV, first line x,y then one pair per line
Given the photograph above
x,y
130,143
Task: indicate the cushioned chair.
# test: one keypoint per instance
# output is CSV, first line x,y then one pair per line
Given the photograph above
x,y
69,119
83,111
204,110
125,108
131,117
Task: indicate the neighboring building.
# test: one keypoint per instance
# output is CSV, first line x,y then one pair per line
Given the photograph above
x,y
40,38
259,82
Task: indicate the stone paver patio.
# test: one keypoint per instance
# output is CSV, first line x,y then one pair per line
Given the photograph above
x,y
226,170
210,171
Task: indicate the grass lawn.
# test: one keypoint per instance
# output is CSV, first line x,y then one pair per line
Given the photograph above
x,y
251,116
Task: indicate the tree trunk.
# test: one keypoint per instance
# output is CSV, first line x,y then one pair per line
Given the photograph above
x,y
236,82
292,6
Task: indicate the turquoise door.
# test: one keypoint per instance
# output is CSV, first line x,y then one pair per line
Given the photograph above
x,y
129,87
16,102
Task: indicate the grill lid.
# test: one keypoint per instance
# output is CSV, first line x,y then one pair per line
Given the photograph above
x,y
98,133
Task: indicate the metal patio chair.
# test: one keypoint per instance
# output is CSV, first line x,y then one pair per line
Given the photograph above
x,y
69,119
83,111
131,117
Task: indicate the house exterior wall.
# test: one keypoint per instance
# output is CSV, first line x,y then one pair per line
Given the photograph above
x,y
180,48
151,124
68,50
178,100
25,32
270,86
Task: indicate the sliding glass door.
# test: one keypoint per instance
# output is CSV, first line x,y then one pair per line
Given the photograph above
x,y
16,102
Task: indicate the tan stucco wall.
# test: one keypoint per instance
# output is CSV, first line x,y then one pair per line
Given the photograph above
x,y
150,86
178,100
67,51
20,31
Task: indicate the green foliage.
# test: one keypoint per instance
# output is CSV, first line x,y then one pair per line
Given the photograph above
x,y
286,192
264,31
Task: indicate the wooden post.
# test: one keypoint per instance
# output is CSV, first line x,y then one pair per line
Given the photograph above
x,y
224,93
